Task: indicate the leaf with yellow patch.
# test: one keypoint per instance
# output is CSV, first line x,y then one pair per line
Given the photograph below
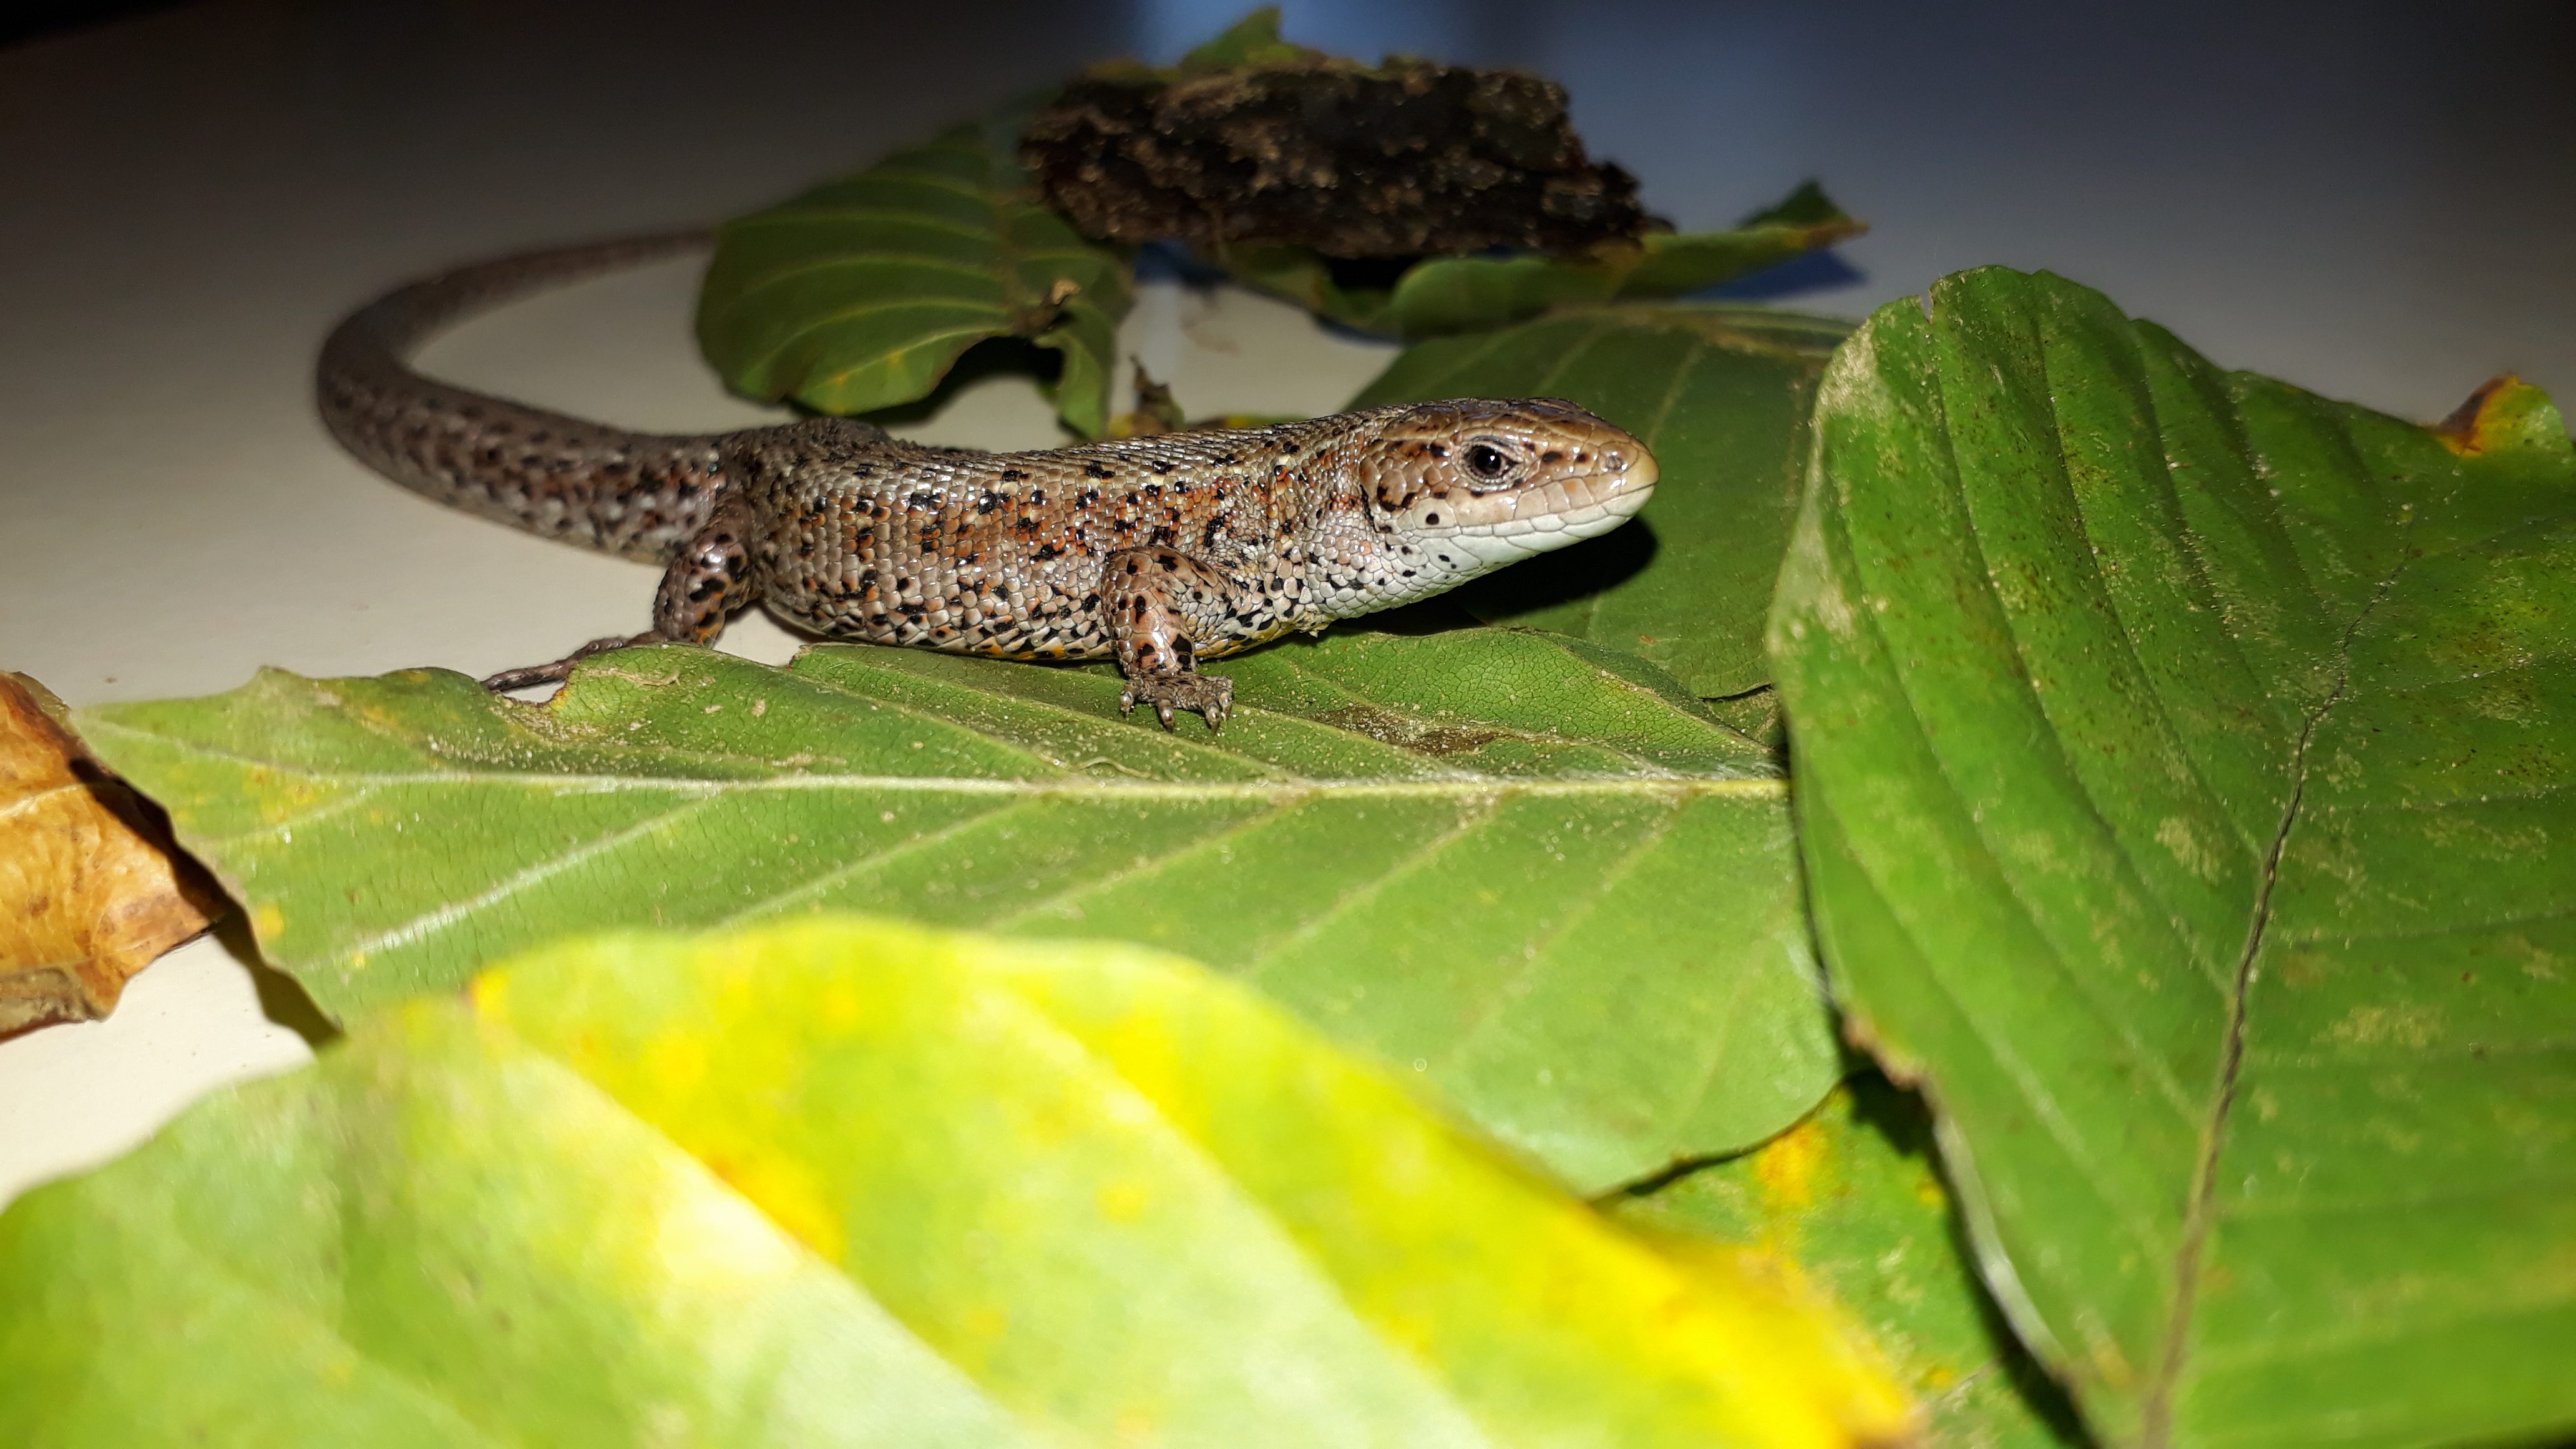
x,y
91,889
847,1182
1850,1204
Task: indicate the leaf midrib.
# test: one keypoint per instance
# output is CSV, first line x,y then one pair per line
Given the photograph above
x,y
2156,1408
1441,787
2156,1416
1460,784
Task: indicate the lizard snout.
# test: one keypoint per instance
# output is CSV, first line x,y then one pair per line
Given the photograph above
x,y
1561,506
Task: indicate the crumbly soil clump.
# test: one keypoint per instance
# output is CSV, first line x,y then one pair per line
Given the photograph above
x,y
1404,159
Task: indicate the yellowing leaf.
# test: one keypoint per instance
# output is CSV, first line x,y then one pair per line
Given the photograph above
x,y
1850,1204
851,1182
90,891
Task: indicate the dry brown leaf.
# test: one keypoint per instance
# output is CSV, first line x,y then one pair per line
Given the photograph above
x,y
91,890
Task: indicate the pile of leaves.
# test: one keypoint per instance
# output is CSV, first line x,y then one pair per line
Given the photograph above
x,y
2139,1016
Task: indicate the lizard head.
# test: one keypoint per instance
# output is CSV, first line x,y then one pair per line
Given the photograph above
x,y
1470,485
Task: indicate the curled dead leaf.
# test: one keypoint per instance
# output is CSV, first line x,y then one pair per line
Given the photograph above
x,y
91,889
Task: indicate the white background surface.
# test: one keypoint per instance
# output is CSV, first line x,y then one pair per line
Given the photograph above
x,y
2377,202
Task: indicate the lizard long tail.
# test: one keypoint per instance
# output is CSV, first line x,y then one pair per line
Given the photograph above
x,y
637,494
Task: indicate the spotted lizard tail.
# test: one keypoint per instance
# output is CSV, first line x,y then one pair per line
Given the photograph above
x,y
641,495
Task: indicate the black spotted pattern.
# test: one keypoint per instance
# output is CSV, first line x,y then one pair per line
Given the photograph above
x,y
1158,552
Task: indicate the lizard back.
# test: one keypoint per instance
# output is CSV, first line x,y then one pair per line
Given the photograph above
x,y
1003,553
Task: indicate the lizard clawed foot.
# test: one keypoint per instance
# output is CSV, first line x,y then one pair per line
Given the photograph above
x,y
561,669
1210,695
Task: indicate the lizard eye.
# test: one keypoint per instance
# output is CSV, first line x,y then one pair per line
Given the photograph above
x,y
1486,461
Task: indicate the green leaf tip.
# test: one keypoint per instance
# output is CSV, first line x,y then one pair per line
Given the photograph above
x,y
2505,413
1252,41
1806,206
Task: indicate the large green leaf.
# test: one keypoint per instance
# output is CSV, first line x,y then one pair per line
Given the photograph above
x,y
1535,870
1721,395
860,294
1851,1200
2185,771
851,1183
1440,295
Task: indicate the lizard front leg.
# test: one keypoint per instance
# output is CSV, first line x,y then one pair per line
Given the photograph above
x,y
709,582
1162,607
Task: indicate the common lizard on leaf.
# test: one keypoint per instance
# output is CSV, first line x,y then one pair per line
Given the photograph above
x,y
1157,552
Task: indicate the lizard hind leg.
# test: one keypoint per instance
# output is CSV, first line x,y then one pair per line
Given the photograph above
x,y
1159,604
709,582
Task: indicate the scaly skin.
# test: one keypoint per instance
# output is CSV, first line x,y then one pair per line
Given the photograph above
x,y
1156,552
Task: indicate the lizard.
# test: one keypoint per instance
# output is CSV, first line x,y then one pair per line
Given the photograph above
x,y
1156,552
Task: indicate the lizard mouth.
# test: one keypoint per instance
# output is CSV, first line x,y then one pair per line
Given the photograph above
x,y
1504,528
